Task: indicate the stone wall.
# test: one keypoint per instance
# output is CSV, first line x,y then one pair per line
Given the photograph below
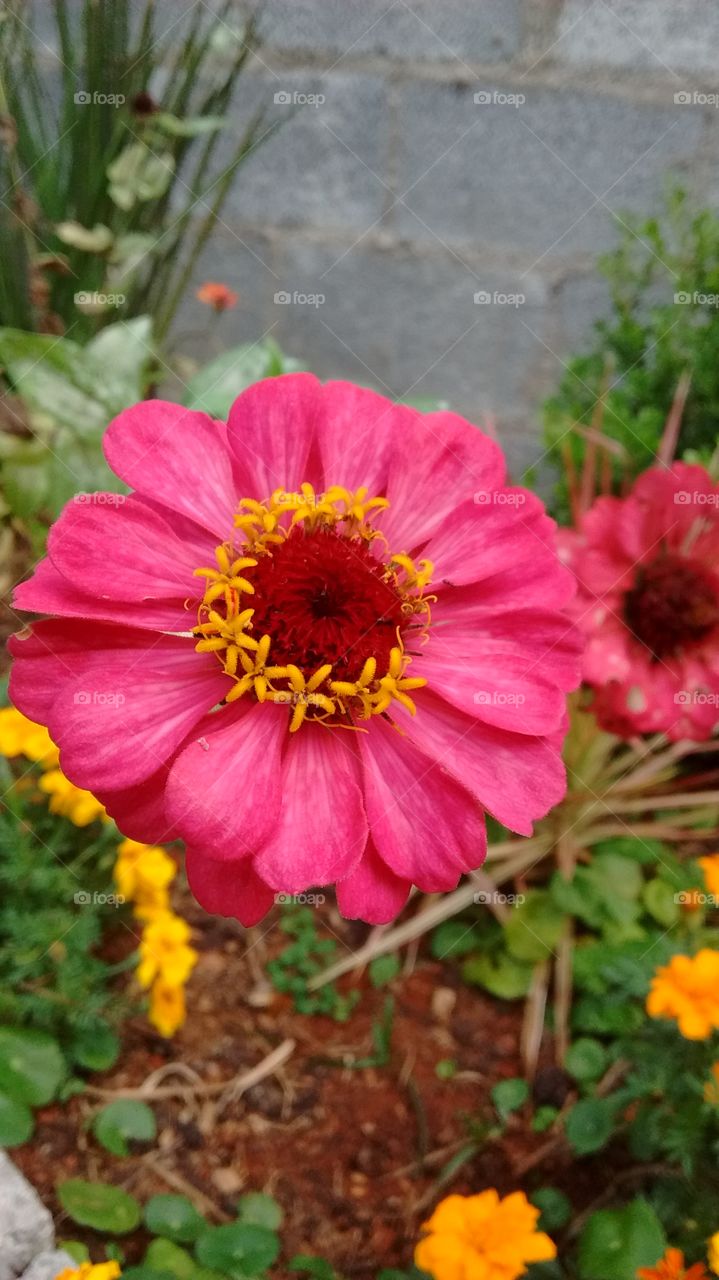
x,y
444,177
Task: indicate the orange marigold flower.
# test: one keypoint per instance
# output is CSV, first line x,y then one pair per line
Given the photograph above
x,y
671,1267
482,1235
167,1007
710,868
688,989
713,1253
218,296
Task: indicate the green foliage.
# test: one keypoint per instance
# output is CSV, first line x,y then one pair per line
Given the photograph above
x,y
307,955
99,1205
71,393
590,1125
16,1121
509,1096
240,1249
260,1210
116,191
124,1121
615,1242
555,1208
384,969
214,387
51,979
174,1217
649,340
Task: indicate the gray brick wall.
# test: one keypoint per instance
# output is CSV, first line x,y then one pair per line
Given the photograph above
x,y
399,195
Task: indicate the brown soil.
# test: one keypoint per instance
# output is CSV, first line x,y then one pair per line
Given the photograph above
x,y
355,1157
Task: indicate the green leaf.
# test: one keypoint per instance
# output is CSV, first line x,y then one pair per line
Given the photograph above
x,y
509,1096
500,974
123,1121
139,174
319,1268
48,373
453,938
586,1059
589,1125
174,1217
32,1067
214,388
165,1256
16,1122
117,359
383,969
96,1047
445,1069
554,1206
660,900
78,1251
534,928
615,1242
241,1249
260,1210
193,127
543,1119
99,1205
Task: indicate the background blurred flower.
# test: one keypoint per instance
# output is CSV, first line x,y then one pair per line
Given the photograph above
x,y
218,296
672,1267
483,1236
22,737
649,604
81,807
688,989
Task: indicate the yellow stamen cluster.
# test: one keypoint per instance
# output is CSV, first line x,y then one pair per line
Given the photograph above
x,y
225,618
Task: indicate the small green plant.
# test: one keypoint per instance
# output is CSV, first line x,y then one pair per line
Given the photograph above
x,y
307,955
664,322
112,192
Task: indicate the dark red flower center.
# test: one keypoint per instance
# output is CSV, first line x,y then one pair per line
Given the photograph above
x,y
323,597
673,605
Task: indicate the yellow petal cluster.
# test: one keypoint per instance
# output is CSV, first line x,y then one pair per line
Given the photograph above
x,y
22,737
687,989
482,1237
91,1271
143,874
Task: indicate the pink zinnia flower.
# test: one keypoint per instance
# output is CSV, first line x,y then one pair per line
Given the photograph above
x,y
649,604
316,644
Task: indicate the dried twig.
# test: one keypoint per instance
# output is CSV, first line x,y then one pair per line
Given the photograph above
x,y
238,1086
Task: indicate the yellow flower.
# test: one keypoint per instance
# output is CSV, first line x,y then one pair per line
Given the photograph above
x,y
22,737
710,867
713,1253
167,1006
81,807
688,989
143,874
482,1238
164,951
91,1271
